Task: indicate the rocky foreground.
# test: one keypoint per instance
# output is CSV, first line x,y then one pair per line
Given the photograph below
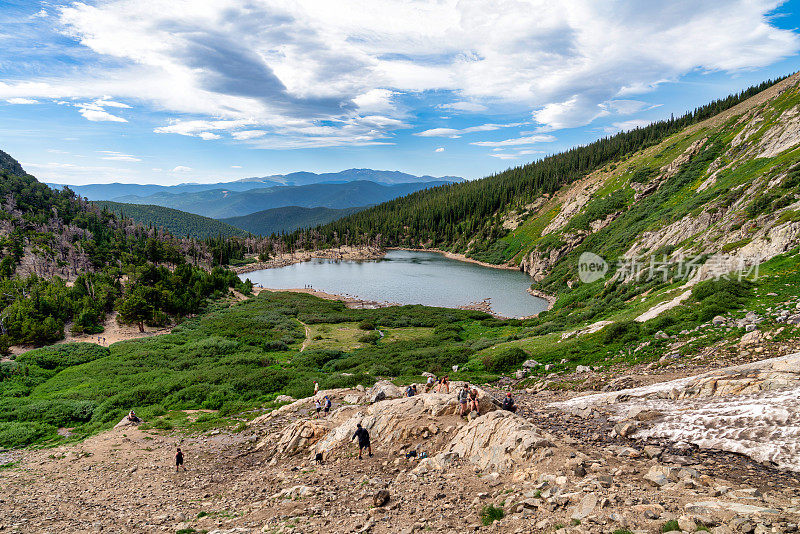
x,y
715,452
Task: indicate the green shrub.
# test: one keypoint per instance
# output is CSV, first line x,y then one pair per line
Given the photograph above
x,y
490,514
65,355
671,526
623,331
15,434
369,337
366,324
275,346
504,360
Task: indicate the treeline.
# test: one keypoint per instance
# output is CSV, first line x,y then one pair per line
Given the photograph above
x,y
451,216
49,237
176,222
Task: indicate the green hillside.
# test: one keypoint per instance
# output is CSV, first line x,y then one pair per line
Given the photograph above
x,y
469,217
287,219
176,222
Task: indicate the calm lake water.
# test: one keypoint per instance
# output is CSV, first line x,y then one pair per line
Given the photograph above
x,y
407,277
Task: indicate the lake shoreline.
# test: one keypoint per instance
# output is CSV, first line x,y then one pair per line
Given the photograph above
x,y
459,257
373,253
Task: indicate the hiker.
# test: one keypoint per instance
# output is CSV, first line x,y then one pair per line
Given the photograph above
x,y
431,382
363,440
316,387
409,391
414,387
327,405
317,407
473,401
133,418
444,383
179,460
463,399
508,403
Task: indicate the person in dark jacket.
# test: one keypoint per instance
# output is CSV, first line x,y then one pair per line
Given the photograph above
x,y
179,460
363,440
508,403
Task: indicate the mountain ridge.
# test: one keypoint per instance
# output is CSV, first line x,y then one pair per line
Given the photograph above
x,y
116,190
222,203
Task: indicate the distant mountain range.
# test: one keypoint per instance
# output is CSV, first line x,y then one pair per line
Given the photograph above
x,y
178,223
287,219
115,191
222,203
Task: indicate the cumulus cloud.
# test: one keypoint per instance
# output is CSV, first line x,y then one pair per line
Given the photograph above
x,y
182,168
95,112
528,140
21,101
440,149
315,73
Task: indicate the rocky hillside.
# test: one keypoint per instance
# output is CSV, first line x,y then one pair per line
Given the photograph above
x,y
611,462
728,185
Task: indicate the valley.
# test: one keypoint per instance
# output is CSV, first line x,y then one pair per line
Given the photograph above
x,y
643,312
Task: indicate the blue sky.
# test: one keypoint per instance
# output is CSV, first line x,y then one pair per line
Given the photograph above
x,y
170,91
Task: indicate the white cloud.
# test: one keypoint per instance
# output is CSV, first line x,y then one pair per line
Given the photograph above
x,y
236,166
248,134
469,107
375,100
458,132
529,140
93,111
181,168
208,136
98,115
19,100
310,72
113,155
440,149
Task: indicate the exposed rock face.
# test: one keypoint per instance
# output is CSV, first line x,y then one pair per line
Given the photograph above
x,y
383,389
751,409
497,442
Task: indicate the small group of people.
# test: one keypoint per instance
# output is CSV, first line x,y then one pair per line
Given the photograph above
x,y
440,385
468,401
323,405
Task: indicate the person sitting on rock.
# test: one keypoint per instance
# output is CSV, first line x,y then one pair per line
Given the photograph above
x,y
473,401
133,418
430,384
508,403
463,399
363,440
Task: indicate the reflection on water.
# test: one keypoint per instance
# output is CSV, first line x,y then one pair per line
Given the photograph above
x,y
408,277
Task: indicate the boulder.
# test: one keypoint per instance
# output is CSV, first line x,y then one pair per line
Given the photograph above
x,y
498,441
718,320
585,507
530,364
284,399
382,390
127,422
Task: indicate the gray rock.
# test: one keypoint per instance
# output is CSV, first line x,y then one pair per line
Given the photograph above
x,y
585,507
718,320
